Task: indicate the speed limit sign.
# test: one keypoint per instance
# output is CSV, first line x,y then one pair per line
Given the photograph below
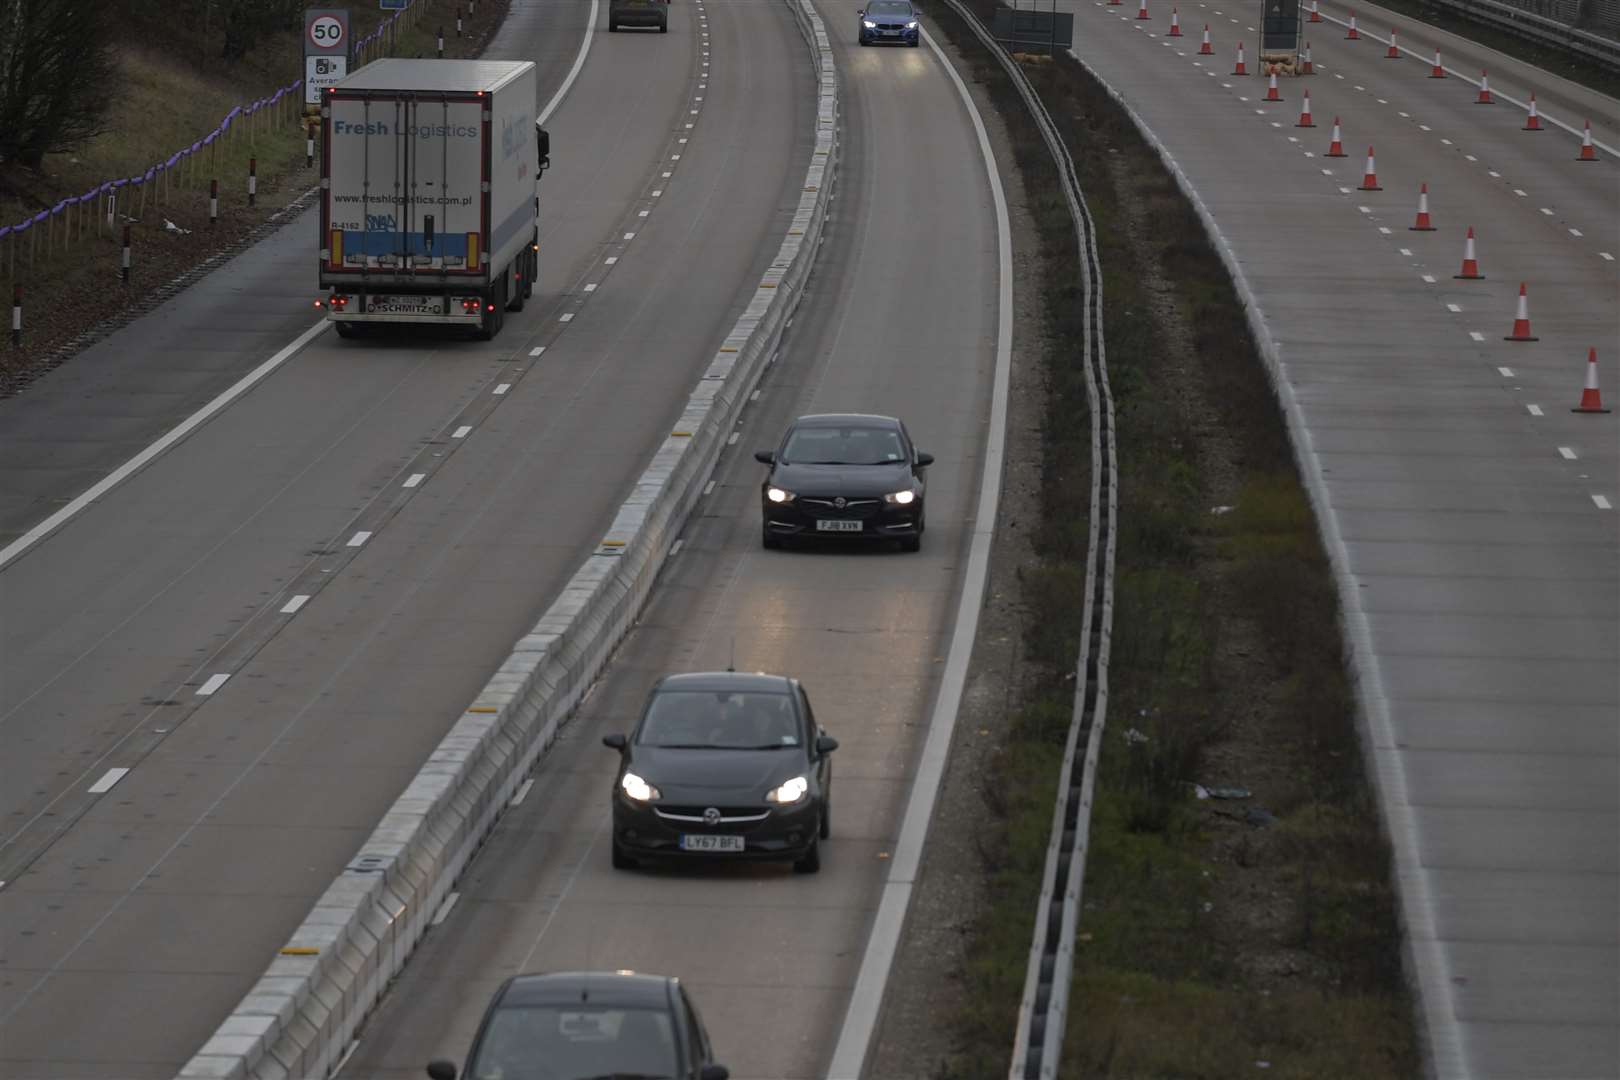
x,y
326,31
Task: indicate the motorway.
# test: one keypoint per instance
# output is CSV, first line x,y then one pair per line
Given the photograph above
x,y
1472,512
136,915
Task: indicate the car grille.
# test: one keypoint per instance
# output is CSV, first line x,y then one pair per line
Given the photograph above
x,y
729,815
891,26
852,508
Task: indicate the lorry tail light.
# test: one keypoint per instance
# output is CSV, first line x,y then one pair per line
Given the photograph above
x,y
339,302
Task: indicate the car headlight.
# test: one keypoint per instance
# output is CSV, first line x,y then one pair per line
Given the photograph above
x,y
791,792
638,790
912,25
778,495
904,498
869,24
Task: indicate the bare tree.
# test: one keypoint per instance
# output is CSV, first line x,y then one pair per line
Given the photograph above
x,y
57,75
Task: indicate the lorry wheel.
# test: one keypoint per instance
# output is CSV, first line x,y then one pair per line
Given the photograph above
x,y
346,330
515,287
492,321
534,268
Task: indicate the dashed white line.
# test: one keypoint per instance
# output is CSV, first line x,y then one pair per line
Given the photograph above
x,y
108,779
1606,256
214,683
1602,503
1535,410
1568,452
732,440
629,236
658,194
1546,211
708,489
502,388
522,792
1293,138
1365,209
1344,191
590,286
538,349
1470,157
461,432
667,175
643,213
1493,174
358,539
1507,372
1476,335
1381,101
1429,278
1445,141
1327,172
675,548
291,606
1576,232
754,396
444,909
1407,252
1454,308
1425,127
415,479
566,317
1405,115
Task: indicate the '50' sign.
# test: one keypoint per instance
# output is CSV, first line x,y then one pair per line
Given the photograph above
x,y
326,32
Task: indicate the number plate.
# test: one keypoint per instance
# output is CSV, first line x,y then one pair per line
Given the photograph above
x,y
406,305
838,526
708,842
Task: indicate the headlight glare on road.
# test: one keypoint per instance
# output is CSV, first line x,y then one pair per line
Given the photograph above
x,y
791,792
778,495
637,789
903,498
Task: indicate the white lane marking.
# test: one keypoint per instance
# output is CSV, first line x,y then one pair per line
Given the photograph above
x,y
732,440
503,388
214,682
358,539
1425,127
1576,232
1344,191
140,460
1361,88
676,157
1546,211
461,432
1293,139
629,236
667,175
611,259
1493,174
1507,372
1606,256
1381,101
1454,308
1470,157
1445,141
1568,452
1407,252
1476,335
708,489
675,548
444,909
866,997
1602,503
591,287
415,479
538,349
1428,278
1405,115
108,779
643,213
567,316
1365,209
754,396
1336,75
291,607
573,72
522,792
1327,172
1535,410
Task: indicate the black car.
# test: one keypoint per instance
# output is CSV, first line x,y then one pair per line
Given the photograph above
x,y
844,476
580,1025
723,765
892,22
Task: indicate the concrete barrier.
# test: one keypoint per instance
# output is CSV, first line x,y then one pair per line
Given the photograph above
x,y
299,1019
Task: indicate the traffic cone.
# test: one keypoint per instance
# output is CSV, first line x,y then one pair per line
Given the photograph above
x,y
1336,147
1206,49
1521,321
1470,266
1316,16
1392,53
1423,224
1484,90
1241,69
1271,89
1305,65
1141,12
1369,182
1587,152
1305,112
1437,72
1354,34
1175,23
1591,400
1533,122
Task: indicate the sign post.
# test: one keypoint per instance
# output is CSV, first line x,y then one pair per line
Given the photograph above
x,y
1280,33
326,50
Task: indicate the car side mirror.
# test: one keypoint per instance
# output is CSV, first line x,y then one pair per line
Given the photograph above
x,y
441,1070
826,744
924,460
861,13
615,741
765,457
715,1072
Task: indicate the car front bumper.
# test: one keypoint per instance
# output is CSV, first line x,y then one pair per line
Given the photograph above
x,y
883,35
651,829
803,516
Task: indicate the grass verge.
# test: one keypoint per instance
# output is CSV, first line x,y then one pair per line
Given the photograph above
x,y
1219,932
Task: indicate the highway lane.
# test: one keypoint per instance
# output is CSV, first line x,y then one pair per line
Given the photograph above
x,y
131,935
901,317
1471,510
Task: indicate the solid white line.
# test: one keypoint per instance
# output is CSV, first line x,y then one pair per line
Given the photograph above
x,y
214,683
1507,372
358,538
111,777
708,489
292,606
502,389
461,432
579,62
867,996
522,792
1535,410
145,457
415,479
1568,452
1602,503
444,909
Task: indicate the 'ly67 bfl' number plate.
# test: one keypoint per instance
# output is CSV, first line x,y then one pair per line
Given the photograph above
x,y
706,842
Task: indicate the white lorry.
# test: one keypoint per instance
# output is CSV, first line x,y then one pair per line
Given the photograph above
x,y
429,197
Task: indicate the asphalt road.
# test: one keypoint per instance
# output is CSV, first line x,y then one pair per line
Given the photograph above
x,y
901,318
133,918
1474,513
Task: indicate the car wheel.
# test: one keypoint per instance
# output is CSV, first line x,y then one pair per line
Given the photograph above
x,y
663,27
766,540
621,861
613,27
811,862
826,820
911,543
916,43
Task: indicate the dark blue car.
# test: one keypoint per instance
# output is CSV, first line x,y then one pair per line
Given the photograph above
x,y
890,22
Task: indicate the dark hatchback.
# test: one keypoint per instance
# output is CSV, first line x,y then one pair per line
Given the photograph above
x,y
582,1025
725,765
651,13
844,476
889,22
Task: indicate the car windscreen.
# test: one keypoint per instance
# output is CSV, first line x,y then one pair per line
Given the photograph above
x,y
548,1042
719,720
889,8
844,446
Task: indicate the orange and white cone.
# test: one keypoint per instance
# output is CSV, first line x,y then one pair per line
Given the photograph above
x,y
1206,49
1393,52
1437,72
1423,223
1354,34
1591,400
1175,23
1316,16
1271,89
1336,147
1305,65
1470,266
1241,68
1369,182
1484,90
1141,12
1521,320
1533,121
1305,112
1588,153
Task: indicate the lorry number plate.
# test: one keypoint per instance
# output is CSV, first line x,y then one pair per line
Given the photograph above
x,y
406,305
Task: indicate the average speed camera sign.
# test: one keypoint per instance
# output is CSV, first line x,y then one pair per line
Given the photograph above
x,y
326,32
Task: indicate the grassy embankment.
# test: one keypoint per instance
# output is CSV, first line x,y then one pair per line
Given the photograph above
x,y
1207,944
